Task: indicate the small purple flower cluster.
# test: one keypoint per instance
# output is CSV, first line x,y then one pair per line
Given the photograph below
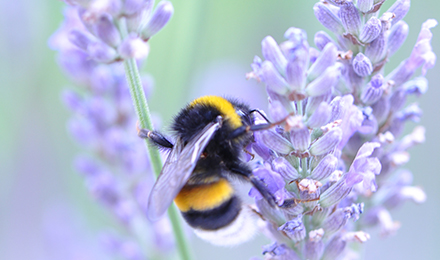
x,y
336,154
117,171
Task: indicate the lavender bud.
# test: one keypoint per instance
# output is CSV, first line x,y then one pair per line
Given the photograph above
x,y
371,30
381,109
285,169
400,8
161,16
324,83
276,142
300,139
321,39
273,79
350,18
101,52
327,142
294,229
397,100
336,221
336,192
314,102
376,50
397,37
364,5
325,167
106,30
81,39
327,58
132,6
327,18
271,52
321,116
334,248
133,47
362,65
373,91
314,247
296,74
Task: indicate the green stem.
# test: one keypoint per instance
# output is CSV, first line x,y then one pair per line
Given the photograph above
x,y
143,113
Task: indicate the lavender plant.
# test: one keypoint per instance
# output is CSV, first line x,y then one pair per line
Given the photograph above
x,y
99,44
334,162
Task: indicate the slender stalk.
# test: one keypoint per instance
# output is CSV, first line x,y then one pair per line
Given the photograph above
x,y
143,113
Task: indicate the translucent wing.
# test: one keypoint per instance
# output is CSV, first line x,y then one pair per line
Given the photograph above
x,y
176,171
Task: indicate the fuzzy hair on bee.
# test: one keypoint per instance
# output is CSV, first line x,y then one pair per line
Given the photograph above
x,y
210,135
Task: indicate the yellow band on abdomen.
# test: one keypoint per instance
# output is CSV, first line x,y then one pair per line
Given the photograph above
x,y
204,197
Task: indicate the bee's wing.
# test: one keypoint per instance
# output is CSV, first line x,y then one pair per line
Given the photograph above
x,y
176,171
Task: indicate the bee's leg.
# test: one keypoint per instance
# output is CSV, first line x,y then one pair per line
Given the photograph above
x,y
246,173
156,138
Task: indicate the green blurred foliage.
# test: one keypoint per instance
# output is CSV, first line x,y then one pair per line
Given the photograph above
x,y
36,152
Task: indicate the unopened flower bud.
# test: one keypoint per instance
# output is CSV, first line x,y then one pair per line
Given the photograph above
x,y
376,50
285,169
350,18
371,30
325,167
80,38
161,16
321,116
364,5
273,79
373,91
397,37
276,142
271,52
300,139
327,18
400,8
334,248
327,142
362,65
327,58
324,83
321,39
106,30
314,247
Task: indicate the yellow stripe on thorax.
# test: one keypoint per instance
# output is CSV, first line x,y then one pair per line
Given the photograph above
x,y
203,197
224,106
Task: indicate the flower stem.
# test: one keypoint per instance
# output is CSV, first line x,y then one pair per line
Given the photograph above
x,y
143,113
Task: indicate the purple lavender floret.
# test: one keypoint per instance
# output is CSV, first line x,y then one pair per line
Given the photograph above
x,y
340,149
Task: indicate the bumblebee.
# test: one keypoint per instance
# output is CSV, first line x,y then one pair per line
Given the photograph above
x,y
210,135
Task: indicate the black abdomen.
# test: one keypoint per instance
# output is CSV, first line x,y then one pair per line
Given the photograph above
x,y
215,218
